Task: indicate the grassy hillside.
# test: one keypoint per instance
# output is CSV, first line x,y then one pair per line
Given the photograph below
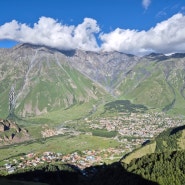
x,y
156,84
148,149
64,144
43,82
47,80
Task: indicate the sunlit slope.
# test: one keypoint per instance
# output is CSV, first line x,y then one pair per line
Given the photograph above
x,y
43,81
46,79
157,82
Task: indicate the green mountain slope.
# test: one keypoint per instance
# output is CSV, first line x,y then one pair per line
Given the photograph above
x,y
157,82
43,81
46,79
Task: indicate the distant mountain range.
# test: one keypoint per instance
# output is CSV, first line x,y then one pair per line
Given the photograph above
x,y
47,79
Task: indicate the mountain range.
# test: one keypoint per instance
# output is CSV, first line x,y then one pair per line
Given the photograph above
x,y
46,79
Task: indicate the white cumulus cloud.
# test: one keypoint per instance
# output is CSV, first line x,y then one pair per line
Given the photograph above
x,y
146,3
166,37
51,33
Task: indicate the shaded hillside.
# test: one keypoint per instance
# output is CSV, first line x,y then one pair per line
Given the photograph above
x,y
63,174
164,168
118,175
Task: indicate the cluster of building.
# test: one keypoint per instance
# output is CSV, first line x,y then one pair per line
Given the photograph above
x,y
133,129
137,127
82,159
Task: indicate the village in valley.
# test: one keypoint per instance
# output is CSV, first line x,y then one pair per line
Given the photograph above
x,y
132,130
81,159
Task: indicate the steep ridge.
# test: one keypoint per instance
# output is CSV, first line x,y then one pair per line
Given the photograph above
x,y
106,68
43,81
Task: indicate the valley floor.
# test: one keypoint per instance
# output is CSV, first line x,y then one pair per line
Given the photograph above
x,y
93,146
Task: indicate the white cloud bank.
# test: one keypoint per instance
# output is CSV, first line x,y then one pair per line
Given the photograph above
x,y
51,33
166,37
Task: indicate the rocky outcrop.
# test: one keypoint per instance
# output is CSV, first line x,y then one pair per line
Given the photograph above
x,y
105,68
11,133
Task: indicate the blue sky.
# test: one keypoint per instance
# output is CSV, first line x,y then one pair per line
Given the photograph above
x,y
131,26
